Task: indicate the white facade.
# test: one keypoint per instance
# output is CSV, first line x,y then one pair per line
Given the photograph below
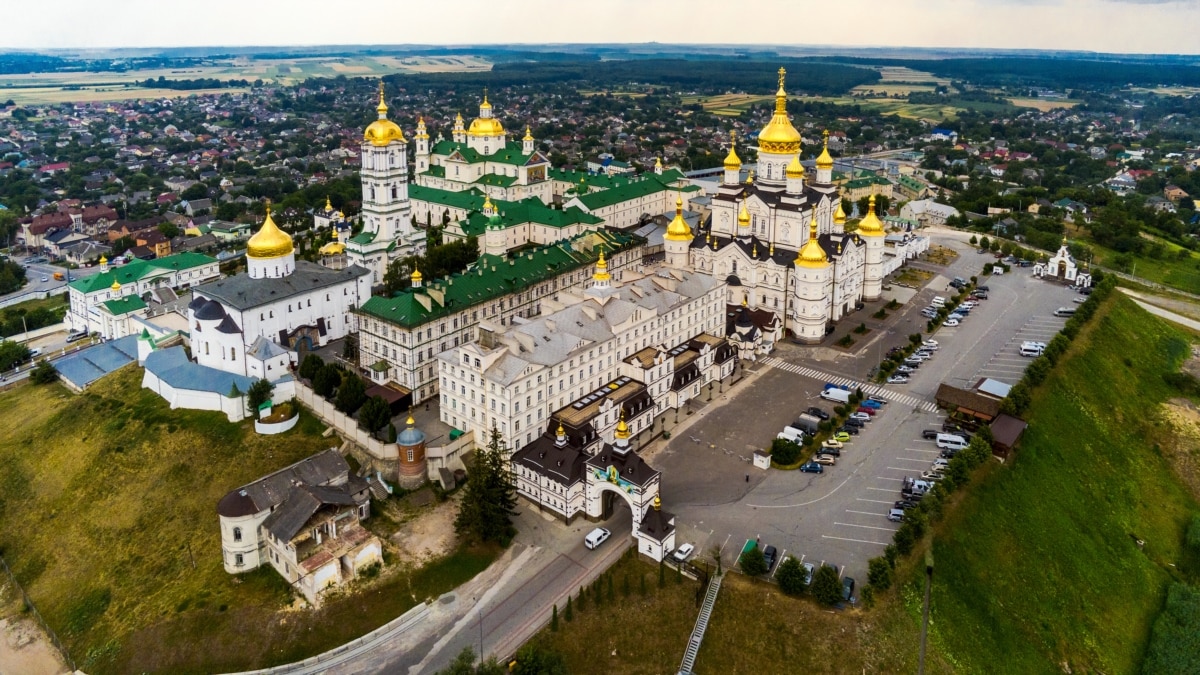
x,y
139,277
512,380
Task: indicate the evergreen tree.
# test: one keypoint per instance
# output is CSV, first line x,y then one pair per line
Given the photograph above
x,y
582,598
790,576
826,586
258,394
554,619
662,579
569,613
374,414
351,394
326,380
43,373
486,510
310,366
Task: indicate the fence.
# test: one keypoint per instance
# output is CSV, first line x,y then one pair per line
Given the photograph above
x,y
37,615
32,295
346,425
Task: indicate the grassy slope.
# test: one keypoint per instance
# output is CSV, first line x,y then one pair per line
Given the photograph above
x,y
1039,565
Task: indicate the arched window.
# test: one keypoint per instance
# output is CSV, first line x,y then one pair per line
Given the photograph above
x,y
237,534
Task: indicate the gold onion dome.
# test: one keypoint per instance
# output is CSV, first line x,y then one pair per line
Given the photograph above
x,y
416,276
103,260
825,161
839,216
811,254
528,134
116,285
678,230
486,126
601,273
622,428
779,136
269,241
794,168
871,226
744,217
732,161
382,131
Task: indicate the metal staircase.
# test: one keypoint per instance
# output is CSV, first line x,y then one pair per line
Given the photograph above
x,y
693,647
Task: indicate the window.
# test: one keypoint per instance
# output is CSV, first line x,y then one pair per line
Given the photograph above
x,y
237,534
237,559
410,454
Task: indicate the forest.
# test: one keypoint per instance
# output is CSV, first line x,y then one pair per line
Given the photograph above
x,y
1044,72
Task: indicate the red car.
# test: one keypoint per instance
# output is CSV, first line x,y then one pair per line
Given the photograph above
x,y
865,409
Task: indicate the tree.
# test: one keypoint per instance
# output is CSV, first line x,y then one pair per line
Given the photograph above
x,y
464,664
985,243
310,366
569,612
533,659
351,394
375,414
486,510
791,576
826,586
879,573
974,240
554,619
784,452
12,353
258,394
326,380
169,230
43,373
753,563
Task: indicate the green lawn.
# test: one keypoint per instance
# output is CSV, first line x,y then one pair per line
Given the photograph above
x,y
108,518
1039,566
1171,270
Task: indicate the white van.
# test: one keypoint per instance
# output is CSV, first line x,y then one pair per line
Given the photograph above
x,y
951,442
596,537
938,301
836,395
1031,350
1064,311
791,434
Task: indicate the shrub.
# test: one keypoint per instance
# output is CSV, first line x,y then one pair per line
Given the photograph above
x,y
915,338
861,329
880,314
753,564
310,366
1175,638
326,380
1192,542
351,395
790,576
879,573
374,414
784,452
845,341
43,373
826,586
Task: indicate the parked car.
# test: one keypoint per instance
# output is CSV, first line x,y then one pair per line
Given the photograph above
x,y
596,537
826,459
872,404
683,552
877,399
930,434
832,443
817,412
896,515
847,588
940,464
904,504
985,289
1079,299
897,379
812,467
769,555
836,452
75,337
928,314
841,437
930,344
980,295
847,429
904,370
869,412
951,323
809,570
858,417
931,476
34,353
948,453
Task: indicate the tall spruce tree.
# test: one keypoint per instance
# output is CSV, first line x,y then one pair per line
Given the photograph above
x,y
486,511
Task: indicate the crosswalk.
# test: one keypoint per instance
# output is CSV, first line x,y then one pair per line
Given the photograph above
x,y
872,389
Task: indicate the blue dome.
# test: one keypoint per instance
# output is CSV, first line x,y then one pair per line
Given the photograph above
x,y
411,436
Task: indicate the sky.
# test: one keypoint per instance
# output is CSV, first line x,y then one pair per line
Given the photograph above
x,y
1121,26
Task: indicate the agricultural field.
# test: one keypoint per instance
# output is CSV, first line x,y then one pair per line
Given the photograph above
x,y
727,105
1043,104
35,88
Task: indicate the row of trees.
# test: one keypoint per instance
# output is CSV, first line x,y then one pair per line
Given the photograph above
x,y
825,585
349,394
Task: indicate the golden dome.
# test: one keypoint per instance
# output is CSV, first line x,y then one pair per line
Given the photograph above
x,y
601,273
421,131
269,241
732,161
657,503
871,226
485,105
528,135
794,168
382,131
743,217
678,230
416,276
812,255
116,285
410,421
839,216
825,161
103,260
561,431
779,136
486,126
622,428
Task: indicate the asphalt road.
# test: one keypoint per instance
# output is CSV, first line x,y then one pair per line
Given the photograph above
x,y
840,517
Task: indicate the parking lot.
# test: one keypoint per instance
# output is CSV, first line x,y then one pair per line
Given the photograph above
x,y
840,516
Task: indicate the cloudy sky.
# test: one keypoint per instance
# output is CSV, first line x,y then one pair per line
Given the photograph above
x,y
1139,26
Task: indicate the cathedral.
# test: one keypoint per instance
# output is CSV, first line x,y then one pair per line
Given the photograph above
x,y
779,240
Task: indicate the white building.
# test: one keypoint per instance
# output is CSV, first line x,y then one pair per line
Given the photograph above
x,y
124,287
1062,267
253,323
513,378
927,212
305,521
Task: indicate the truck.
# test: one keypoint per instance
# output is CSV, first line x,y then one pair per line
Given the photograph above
x,y
809,424
836,395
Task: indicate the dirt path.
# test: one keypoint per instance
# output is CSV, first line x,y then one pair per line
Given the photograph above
x,y
25,650
428,535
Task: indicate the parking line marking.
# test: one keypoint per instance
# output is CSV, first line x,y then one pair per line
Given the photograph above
x,y
912,459
885,489
869,527
874,501
860,541
865,513
919,450
886,478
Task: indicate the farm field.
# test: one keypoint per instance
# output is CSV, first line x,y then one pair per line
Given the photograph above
x,y
1043,104
34,88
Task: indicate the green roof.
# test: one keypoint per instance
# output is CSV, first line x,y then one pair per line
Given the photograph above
x,y
648,184
467,200
124,305
510,154
364,237
529,210
866,182
911,183
134,270
437,171
496,180
492,277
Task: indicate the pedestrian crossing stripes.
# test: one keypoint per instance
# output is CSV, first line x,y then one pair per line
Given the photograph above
x,y
872,389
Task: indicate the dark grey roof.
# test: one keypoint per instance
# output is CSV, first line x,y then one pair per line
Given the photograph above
x,y
658,524
228,326
324,468
241,292
210,311
304,501
629,465
562,464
